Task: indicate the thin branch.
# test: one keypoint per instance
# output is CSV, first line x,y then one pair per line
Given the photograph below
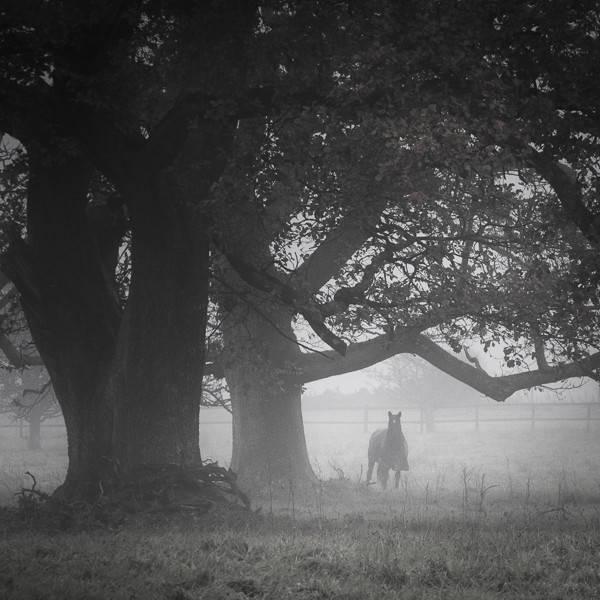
x,y
15,357
540,352
346,296
473,359
8,296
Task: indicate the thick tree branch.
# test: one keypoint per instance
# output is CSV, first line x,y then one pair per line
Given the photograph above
x,y
24,111
168,136
277,214
312,367
499,388
17,264
268,283
111,149
335,250
16,357
37,114
346,296
568,190
10,291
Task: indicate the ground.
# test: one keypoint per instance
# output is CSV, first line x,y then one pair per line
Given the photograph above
x,y
497,513
422,551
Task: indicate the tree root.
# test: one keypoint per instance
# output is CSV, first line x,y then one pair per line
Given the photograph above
x,y
191,488
148,489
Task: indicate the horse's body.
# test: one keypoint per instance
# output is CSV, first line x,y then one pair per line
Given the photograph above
x,y
388,448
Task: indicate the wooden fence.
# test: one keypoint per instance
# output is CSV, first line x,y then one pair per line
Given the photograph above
x,y
426,419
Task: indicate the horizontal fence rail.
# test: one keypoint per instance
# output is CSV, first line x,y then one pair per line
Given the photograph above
x,y
425,418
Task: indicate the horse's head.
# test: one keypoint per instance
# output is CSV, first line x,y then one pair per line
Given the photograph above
x,y
394,420
394,425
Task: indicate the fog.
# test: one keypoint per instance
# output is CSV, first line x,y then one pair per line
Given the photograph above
x,y
536,440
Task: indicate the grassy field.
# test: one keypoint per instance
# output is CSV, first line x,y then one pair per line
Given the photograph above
x,y
411,552
489,514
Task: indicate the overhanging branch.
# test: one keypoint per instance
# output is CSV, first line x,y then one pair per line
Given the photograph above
x,y
568,190
268,283
312,367
335,250
501,387
368,353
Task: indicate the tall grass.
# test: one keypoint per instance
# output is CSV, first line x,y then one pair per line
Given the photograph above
x,y
389,548
480,515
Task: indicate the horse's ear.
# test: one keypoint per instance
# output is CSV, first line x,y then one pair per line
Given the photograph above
x,y
390,415
399,413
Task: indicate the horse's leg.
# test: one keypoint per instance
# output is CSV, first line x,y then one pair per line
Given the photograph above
x,y
383,472
397,479
370,470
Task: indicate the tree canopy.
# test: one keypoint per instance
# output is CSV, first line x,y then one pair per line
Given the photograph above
x,y
399,177
433,194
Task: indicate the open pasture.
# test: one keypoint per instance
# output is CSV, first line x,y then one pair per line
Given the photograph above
x,y
515,463
512,462
497,513
351,558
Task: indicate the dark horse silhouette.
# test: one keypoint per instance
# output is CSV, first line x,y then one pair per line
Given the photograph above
x,y
388,448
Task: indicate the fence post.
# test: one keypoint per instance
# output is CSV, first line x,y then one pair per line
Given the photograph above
x,y
532,417
588,418
477,418
366,420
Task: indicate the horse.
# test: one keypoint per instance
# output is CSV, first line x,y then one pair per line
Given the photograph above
x,y
388,448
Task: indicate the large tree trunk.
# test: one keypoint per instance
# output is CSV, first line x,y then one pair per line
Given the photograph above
x,y
128,387
158,372
269,447
129,384
72,314
91,470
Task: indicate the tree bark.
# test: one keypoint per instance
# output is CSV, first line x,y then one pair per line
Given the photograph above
x,y
159,363
72,315
128,382
128,386
76,365
269,447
